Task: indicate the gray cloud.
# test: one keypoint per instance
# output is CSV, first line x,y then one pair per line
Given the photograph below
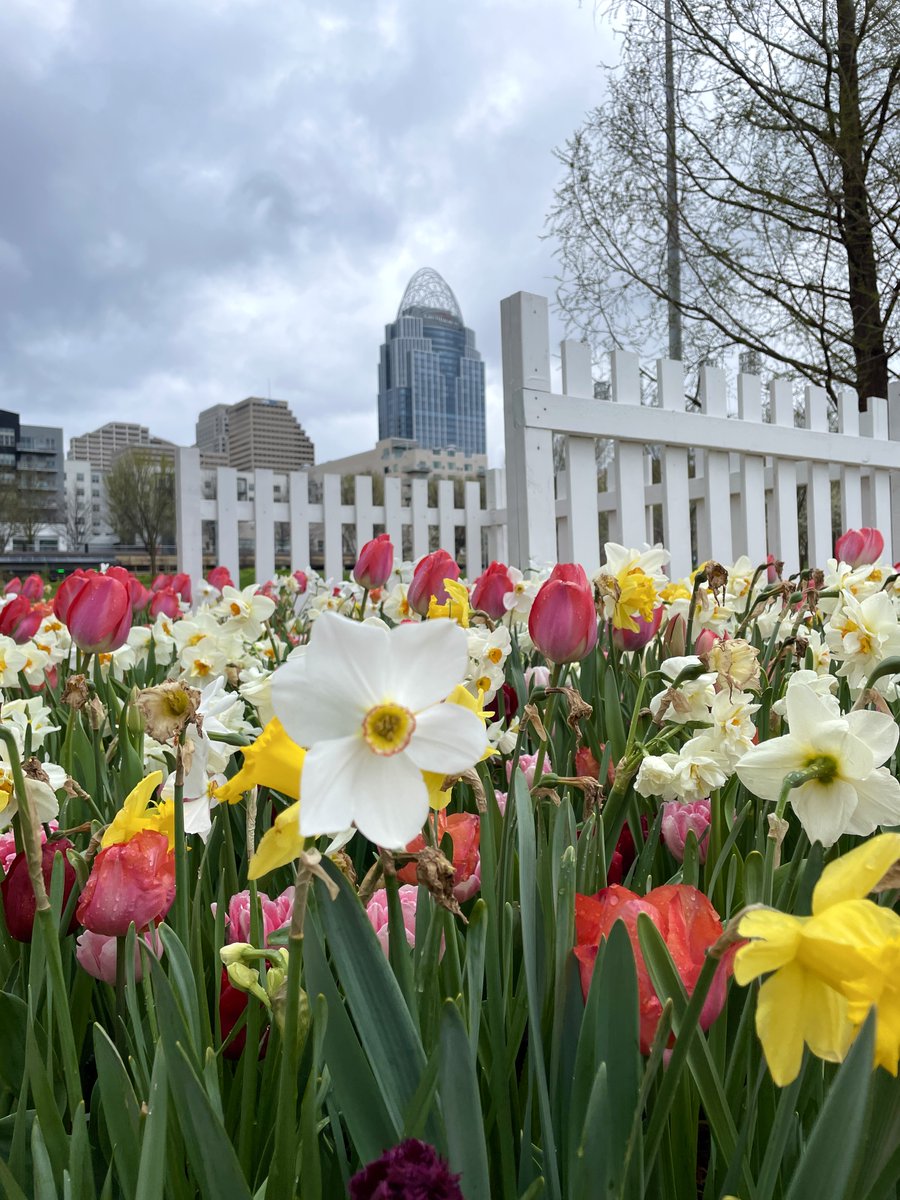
x,y
213,198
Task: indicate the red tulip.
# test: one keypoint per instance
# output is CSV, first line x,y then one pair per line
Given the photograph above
x,y
98,613
18,894
375,563
140,596
13,587
563,621
302,581
181,584
428,580
628,639
12,616
130,881
161,581
232,1002
858,547
220,577
29,625
465,833
490,588
165,601
689,925
33,588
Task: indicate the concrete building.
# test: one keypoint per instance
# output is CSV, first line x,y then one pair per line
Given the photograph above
x,y
253,433
407,459
87,520
31,475
99,446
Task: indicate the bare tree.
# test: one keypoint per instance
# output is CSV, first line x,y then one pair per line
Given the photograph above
x,y
75,525
786,138
140,496
37,506
9,509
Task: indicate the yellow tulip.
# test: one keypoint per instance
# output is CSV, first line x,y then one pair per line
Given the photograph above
x,y
274,760
137,814
829,969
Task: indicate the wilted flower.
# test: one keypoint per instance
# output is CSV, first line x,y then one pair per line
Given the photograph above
x,y
464,830
168,708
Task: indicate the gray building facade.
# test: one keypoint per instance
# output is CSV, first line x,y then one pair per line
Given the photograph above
x,y
430,375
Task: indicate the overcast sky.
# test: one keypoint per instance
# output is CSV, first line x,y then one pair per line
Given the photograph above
x,y
209,199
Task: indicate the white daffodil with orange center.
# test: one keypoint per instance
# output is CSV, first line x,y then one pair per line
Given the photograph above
x,y
366,703
861,634
853,792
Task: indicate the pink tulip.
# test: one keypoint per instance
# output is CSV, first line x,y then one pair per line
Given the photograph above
x,y
13,587
14,615
181,584
771,569
275,914
161,581
628,639
8,849
858,547
140,596
428,580
681,819
302,581
704,641
33,587
130,881
490,588
375,563
96,954
67,591
124,577
563,621
537,677
165,601
377,912
98,614
527,764
220,577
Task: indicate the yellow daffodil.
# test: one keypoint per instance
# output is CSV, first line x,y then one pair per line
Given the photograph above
x,y
274,760
137,814
457,606
829,969
280,845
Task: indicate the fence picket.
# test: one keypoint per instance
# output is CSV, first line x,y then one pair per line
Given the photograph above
x,y
787,534
582,528
894,436
629,465
717,471
851,476
473,529
264,523
227,545
873,423
419,516
393,512
298,501
818,487
753,475
446,526
676,501
365,512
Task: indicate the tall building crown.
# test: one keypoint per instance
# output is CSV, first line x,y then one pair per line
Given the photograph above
x,y
428,291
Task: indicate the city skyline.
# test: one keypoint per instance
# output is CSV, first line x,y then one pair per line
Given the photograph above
x,y
185,233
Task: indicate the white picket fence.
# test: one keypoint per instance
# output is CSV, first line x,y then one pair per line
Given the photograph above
x,y
727,483
743,489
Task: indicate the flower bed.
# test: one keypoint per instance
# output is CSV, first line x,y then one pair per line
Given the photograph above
x,y
531,885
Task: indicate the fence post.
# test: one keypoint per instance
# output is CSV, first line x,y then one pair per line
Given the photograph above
x,y
717,472
365,522
332,528
393,515
188,522
298,499
818,486
530,494
676,500
419,514
851,477
446,524
227,543
894,435
264,523
785,483
582,519
629,466
874,424
753,475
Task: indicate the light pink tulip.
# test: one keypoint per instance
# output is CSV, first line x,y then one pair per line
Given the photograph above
x,y
275,914
537,677
96,954
527,764
681,819
858,547
377,912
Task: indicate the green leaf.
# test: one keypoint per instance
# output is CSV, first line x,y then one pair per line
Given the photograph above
x,y
461,1105
184,985
11,1189
13,1024
152,1166
44,1186
80,1167
373,996
120,1110
830,1151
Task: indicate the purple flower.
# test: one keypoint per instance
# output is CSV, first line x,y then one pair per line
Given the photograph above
x,y
411,1171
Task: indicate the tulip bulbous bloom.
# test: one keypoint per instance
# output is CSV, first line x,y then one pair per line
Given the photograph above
x,y
16,619
97,610
18,894
165,601
859,547
490,588
563,620
627,639
220,577
33,587
130,881
428,580
375,563
96,953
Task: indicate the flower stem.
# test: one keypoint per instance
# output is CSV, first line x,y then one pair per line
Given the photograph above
x,y
773,843
549,714
121,1013
181,873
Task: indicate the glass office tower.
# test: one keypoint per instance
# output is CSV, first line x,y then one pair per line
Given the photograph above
x,y
431,377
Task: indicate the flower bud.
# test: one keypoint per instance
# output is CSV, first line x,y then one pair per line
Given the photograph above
x,y
859,547
375,563
18,894
681,819
563,621
428,580
97,610
234,953
490,588
165,601
627,639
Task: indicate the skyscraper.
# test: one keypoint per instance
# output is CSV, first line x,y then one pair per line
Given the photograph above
x,y
431,377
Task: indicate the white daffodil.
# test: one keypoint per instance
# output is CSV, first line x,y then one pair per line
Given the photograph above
x,y
732,720
697,769
853,793
691,700
19,714
863,633
41,793
12,660
822,685
246,611
367,705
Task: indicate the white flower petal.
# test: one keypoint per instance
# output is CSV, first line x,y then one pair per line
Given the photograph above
x,y
354,660
806,712
392,808
447,738
332,773
428,660
197,817
311,713
879,803
824,809
762,769
878,730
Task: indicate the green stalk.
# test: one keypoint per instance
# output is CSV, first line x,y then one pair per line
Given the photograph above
x,y
121,1010
182,899
549,717
794,779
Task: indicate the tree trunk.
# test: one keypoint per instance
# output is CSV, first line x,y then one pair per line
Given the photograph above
x,y
855,222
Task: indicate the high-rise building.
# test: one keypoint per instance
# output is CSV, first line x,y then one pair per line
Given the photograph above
x,y
254,433
431,377
32,482
100,447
